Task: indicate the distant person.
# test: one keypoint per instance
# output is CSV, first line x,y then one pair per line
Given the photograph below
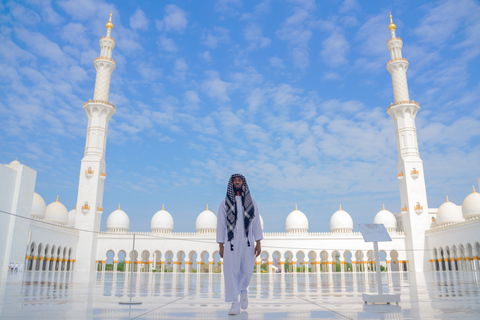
x,y
238,230
21,267
16,267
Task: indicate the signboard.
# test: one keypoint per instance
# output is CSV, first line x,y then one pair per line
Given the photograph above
x,y
374,232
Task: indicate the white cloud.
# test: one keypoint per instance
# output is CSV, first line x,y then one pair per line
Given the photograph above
x,y
331,76
167,44
276,62
215,88
138,20
335,49
180,70
75,33
216,36
349,5
22,14
255,100
228,6
41,45
206,56
191,100
294,30
253,34
80,9
175,19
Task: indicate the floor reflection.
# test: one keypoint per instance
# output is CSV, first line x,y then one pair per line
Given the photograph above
x,y
200,296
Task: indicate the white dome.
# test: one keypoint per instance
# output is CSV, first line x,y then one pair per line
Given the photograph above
x,y
118,221
471,205
71,218
341,222
162,221
206,222
386,218
448,213
56,212
38,206
15,162
296,221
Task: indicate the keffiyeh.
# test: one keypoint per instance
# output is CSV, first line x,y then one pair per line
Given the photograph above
x,y
230,204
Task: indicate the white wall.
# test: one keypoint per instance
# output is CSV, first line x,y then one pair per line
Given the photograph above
x,y
16,197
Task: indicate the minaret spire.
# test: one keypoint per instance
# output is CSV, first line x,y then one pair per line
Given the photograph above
x,y
412,186
391,27
90,187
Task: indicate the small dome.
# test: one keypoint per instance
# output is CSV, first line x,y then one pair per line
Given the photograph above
x,y
56,212
71,218
386,218
448,213
206,222
261,221
38,206
15,162
471,205
162,222
341,222
118,221
296,221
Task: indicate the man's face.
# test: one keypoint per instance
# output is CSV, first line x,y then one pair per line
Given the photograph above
x,y
237,184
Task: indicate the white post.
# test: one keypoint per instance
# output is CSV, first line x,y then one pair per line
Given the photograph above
x,y
377,268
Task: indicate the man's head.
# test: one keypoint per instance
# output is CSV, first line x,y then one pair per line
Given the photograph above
x,y
237,181
237,184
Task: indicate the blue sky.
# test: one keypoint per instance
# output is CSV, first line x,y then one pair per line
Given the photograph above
x,y
293,94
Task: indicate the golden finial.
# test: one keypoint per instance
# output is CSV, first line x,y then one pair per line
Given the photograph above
x,y
207,206
447,199
109,23
392,26
119,206
384,206
163,207
57,197
340,207
474,189
296,206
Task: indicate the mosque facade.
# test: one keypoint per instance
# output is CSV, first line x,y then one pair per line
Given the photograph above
x,y
52,238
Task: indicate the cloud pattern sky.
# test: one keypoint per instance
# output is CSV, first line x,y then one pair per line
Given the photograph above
x,y
293,94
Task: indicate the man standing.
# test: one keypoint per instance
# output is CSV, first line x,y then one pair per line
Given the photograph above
x,y
238,230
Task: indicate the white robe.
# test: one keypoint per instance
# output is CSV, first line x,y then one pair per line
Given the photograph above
x,y
238,264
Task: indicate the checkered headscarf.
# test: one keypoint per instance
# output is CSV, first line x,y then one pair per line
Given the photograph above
x,y
230,204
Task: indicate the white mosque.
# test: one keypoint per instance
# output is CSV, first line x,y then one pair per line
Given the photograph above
x,y
52,238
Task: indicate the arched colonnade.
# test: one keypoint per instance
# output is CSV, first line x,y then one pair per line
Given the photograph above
x,y
48,257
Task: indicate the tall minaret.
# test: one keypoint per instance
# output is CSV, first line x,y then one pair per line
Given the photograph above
x,y
414,211
92,169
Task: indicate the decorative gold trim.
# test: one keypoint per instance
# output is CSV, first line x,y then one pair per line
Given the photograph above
x,y
105,58
100,101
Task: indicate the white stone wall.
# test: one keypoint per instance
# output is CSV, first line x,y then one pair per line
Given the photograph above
x,y
16,197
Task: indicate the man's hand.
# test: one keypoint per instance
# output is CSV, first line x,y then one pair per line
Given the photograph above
x,y
220,250
258,249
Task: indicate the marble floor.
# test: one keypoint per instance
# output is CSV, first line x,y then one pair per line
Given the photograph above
x,y
64,295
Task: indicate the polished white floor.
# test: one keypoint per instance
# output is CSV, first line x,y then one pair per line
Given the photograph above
x,y
62,295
